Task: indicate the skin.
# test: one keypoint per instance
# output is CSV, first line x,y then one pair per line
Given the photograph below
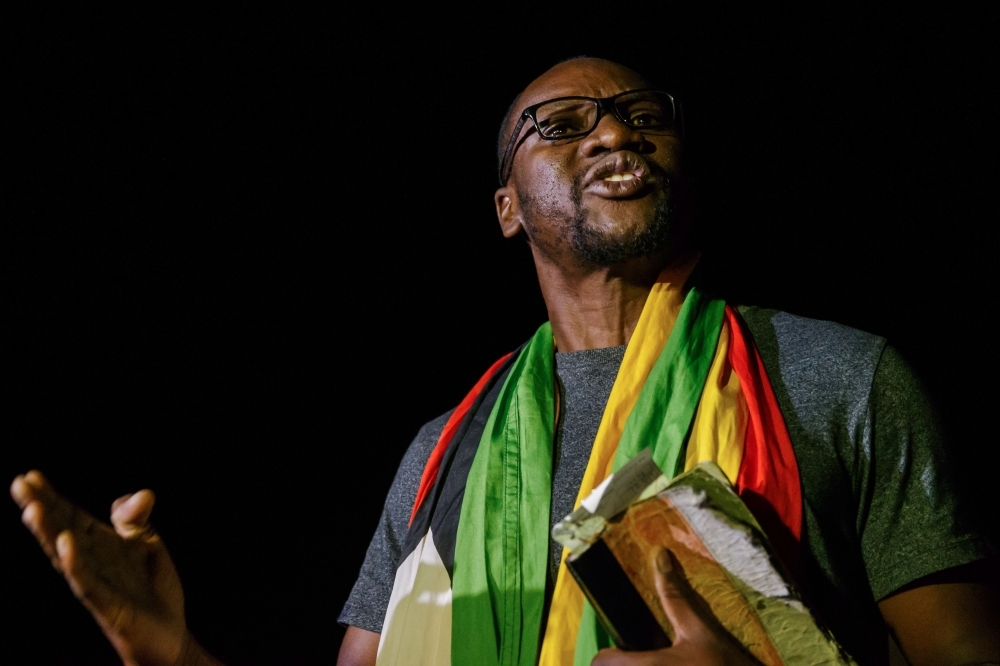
x,y
589,306
699,639
123,574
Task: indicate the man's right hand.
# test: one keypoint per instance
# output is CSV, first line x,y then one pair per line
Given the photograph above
x,y
123,575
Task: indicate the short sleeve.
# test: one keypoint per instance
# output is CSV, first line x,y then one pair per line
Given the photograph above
x,y
366,605
911,521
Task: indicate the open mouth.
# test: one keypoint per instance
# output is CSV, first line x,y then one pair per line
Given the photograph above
x,y
619,175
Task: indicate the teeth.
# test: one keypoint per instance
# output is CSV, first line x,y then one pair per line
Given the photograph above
x,y
616,177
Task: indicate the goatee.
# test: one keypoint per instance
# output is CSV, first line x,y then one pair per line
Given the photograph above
x,y
594,247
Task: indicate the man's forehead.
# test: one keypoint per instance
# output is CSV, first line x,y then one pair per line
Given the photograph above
x,y
591,77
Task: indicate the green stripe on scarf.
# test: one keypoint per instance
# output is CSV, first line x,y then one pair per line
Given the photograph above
x,y
664,411
501,551
662,418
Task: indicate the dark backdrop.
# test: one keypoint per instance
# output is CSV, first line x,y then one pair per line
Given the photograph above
x,y
246,255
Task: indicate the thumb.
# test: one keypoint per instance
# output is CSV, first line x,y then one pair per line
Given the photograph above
x,y
676,595
130,514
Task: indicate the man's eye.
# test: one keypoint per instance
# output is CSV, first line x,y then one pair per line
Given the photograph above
x,y
557,126
647,120
557,129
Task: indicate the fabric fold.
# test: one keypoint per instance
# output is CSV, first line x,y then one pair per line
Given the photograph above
x,y
691,387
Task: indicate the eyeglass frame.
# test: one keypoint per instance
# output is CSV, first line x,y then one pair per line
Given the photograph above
x,y
604,104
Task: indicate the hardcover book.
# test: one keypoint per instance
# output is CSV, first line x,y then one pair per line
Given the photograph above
x,y
721,551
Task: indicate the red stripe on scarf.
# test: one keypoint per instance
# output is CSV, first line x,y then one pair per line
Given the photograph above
x,y
768,481
429,477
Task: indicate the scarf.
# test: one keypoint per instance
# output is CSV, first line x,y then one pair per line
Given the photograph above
x,y
470,585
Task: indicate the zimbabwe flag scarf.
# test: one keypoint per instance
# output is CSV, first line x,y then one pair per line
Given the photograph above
x,y
470,585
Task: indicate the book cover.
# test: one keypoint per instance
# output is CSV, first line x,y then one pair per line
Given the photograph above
x,y
720,549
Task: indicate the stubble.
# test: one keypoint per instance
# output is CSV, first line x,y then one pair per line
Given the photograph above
x,y
591,246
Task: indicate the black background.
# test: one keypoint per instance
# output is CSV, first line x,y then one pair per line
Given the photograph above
x,y
246,254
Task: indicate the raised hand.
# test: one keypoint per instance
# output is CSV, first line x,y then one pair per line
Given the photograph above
x,y
699,638
123,575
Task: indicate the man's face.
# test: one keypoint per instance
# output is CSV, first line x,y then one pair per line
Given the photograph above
x,y
595,200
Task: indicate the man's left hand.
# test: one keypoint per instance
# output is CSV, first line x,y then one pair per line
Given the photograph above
x,y
699,638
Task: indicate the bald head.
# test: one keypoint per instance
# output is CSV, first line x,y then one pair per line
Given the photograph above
x,y
577,76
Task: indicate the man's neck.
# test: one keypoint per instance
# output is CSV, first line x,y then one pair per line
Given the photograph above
x,y
596,307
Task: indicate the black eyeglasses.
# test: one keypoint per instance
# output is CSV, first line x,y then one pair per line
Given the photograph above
x,y
649,111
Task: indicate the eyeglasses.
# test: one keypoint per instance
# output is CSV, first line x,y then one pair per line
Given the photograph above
x,y
649,111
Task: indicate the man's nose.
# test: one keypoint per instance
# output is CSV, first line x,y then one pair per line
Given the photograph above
x,y
610,135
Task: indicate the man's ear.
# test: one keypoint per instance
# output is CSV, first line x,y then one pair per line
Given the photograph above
x,y
508,211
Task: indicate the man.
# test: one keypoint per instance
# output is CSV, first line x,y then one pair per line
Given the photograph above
x,y
596,186
604,213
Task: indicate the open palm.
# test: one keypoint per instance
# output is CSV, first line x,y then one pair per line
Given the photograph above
x,y
121,572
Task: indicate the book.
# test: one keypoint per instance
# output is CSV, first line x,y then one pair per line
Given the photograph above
x,y
719,547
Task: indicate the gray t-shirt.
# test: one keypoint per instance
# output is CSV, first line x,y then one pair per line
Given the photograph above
x,y
585,381
880,508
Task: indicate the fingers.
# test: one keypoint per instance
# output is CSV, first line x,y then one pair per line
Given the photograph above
x,y
123,576
607,657
675,593
82,579
33,517
616,657
21,491
130,514
28,487
46,514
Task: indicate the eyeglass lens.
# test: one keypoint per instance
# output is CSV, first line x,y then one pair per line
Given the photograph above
x,y
646,111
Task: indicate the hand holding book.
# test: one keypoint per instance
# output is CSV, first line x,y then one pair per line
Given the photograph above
x,y
720,589
698,636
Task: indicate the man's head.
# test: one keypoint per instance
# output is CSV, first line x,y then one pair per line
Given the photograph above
x,y
594,200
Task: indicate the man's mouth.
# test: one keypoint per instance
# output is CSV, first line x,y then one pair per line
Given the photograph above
x,y
620,175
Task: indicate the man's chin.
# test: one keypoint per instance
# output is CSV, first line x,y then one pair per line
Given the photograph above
x,y
606,241
618,223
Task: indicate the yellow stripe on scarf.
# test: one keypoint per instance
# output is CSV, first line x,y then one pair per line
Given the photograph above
x,y
717,434
720,424
650,335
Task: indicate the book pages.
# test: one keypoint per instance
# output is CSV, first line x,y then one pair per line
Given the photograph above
x,y
722,552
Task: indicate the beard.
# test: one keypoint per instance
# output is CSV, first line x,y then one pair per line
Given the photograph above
x,y
592,246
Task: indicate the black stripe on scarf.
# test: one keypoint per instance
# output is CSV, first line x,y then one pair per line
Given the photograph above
x,y
442,507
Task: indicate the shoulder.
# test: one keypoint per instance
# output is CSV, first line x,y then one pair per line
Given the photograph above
x,y
823,376
816,367
411,467
365,608
422,445
801,342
